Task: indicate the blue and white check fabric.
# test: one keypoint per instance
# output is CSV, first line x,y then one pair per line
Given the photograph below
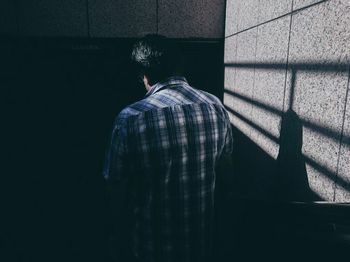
x,y
168,145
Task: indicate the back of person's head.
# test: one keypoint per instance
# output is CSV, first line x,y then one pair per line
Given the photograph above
x,y
156,57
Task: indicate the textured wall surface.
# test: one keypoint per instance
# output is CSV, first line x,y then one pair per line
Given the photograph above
x,y
113,18
293,56
342,187
122,18
52,18
191,18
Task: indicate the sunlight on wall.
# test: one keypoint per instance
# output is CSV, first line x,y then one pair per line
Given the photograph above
x,y
296,59
318,182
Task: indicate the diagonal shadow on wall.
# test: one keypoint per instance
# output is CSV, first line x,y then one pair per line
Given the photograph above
x,y
290,179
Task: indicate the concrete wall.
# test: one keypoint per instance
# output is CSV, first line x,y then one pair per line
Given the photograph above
x,y
113,18
291,58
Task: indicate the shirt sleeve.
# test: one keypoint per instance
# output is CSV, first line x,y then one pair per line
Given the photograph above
x,y
228,145
116,155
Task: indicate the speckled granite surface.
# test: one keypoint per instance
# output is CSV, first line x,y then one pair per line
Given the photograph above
x,y
317,44
320,35
52,18
303,3
272,47
342,193
120,18
270,9
191,18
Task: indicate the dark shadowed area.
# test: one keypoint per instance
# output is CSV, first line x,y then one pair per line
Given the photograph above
x,y
60,99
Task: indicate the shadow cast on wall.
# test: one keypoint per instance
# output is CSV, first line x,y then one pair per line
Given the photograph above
x,y
283,179
270,211
292,180
279,220
289,181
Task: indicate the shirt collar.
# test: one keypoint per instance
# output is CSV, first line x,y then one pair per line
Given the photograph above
x,y
174,80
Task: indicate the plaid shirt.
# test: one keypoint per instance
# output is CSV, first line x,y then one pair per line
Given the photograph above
x,y
168,144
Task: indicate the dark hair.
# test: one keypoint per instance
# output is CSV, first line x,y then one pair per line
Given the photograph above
x,y
156,57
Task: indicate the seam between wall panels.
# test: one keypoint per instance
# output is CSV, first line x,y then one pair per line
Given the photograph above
x,y
341,137
256,50
276,18
225,16
287,61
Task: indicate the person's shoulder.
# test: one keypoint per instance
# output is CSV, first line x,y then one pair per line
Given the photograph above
x,y
133,110
215,103
212,98
126,113
208,98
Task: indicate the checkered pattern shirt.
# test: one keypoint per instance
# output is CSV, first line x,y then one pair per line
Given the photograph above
x,y
168,144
